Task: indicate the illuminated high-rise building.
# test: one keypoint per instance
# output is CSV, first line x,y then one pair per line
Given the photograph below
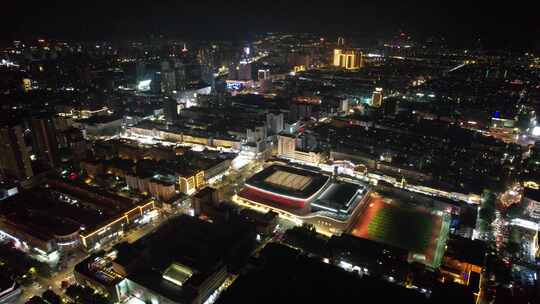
x,y
174,75
341,41
14,156
377,98
348,59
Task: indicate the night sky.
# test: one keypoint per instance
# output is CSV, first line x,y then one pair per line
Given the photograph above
x,y
507,25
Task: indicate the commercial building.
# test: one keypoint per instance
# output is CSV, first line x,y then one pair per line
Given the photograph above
x,y
304,196
46,220
100,126
184,135
185,261
287,186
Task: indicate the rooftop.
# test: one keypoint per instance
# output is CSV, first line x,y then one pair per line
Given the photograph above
x,y
100,119
287,276
182,253
177,274
466,250
339,197
289,181
40,213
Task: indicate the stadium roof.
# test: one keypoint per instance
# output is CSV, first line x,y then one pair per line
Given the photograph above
x,y
339,197
289,181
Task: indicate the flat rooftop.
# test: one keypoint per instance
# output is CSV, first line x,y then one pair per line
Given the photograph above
x,y
181,254
60,208
286,276
466,250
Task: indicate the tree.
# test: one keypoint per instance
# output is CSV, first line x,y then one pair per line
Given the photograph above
x,y
514,211
484,226
488,199
487,214
487,207
512,248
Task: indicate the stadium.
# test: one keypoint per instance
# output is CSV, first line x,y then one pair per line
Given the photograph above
x,y
305,196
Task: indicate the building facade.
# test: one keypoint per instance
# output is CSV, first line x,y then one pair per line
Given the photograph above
x,y
348,59
14,156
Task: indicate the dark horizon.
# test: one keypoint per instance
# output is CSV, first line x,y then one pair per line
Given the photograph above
x,y
461,23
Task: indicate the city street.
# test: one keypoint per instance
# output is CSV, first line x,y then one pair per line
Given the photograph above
x,y
55,281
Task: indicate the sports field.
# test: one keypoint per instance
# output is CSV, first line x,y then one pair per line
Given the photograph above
x,y
420,232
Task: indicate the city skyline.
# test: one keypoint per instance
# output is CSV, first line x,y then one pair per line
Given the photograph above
x,y
461,23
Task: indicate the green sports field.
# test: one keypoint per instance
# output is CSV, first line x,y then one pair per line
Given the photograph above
x,y
405,228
